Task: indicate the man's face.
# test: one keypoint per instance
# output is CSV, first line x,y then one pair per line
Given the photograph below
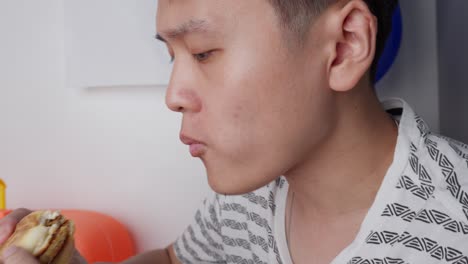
x,y
258,104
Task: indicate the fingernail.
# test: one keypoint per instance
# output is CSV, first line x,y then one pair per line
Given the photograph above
x,y
9,251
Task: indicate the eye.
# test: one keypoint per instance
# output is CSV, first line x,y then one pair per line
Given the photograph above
x,y
203,56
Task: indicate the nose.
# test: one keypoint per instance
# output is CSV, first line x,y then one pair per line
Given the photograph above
x,y
181,95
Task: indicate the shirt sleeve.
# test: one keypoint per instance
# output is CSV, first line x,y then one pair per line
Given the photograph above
x,y
202,241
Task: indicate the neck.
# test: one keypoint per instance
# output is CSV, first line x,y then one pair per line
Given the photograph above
x,y
344,172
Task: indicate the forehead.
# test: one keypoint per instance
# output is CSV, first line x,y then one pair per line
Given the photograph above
x,y
172,14
175,13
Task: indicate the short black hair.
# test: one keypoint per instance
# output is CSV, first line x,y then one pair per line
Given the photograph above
x,y
296,16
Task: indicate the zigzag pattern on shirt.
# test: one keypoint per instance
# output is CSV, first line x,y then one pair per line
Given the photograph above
x,y
260,221
413,148
181,256
257,260
426,188
448,171
236,207
240,260
259,240
203,246
255,240
210,226
233,224
407,183
275,249
212,223
214,218
387,260
240,242
190,250
280,182
427,245
423,175
256,199
271,203
427,216
204,232
402,211
457,146
250,216
236,242
422,127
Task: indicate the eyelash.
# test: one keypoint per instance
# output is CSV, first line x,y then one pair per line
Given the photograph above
x,y
203,56
207,55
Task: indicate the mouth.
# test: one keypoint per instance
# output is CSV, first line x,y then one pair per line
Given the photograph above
x,y
196,147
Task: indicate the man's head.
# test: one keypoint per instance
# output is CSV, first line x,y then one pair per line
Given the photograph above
x,y
260,105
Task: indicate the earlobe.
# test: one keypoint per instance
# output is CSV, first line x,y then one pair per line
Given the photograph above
x,y
354,46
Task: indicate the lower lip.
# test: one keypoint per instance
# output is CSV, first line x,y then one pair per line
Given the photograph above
x,y
196,150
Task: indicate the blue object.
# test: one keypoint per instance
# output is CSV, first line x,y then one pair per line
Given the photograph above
x,y
391,46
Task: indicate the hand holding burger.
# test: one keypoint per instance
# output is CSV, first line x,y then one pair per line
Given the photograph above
x,y
40,237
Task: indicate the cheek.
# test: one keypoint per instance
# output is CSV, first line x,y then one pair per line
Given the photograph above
x,y
237,112
261,100
233,117
248,97
235,121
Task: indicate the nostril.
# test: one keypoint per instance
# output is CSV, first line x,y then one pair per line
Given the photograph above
x,y
182,100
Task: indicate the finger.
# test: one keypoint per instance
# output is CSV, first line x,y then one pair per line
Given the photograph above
x,y
69,249
8,223
17,255
16,215
77,258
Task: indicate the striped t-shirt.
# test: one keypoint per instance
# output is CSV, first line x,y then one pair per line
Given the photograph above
x,y
419,215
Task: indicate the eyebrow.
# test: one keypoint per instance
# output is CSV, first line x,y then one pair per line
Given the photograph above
x,y
192,26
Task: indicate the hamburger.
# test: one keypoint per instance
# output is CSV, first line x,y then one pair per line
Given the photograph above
x,y
47,235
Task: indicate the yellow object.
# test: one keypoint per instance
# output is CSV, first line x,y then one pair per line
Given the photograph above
x,y
2,195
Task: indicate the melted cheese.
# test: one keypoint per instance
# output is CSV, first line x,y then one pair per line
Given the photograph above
x,y
33,239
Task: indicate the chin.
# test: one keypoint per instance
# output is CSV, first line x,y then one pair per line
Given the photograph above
x,y
232,184
228,189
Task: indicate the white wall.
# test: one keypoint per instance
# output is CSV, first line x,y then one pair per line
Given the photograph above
x,y
117,150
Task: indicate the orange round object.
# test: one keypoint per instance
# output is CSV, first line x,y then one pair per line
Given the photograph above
x,y
99,237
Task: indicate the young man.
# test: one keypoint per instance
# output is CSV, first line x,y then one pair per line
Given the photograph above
x,y
306,164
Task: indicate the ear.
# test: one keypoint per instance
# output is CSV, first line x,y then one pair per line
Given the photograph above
x,y
355,30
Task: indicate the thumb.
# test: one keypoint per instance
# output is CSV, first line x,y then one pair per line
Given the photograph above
x,y
8,223
17,255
